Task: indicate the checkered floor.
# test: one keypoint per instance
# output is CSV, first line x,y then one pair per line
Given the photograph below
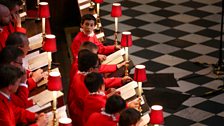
x,y
168,37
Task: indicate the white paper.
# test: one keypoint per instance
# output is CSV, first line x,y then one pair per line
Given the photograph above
x,y
39,61
45,80
128,90
144,120
84,6
82,1
113,56
44,97
100,35
37,108
35,41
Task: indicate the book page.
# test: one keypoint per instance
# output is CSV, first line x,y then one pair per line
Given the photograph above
x,y
44,97
38,61
117,60
128,90
144,120
37,108
113,56
35,41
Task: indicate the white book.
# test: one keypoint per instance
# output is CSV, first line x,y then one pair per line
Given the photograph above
x,y
82,1
100,35
37,108
35,41
44,97
116,55
38,61
127,91
144,120
84,6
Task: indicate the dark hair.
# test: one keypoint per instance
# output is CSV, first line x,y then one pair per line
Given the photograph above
x,y
9,74
93,81
86,60
10,54
88,45
11,3
115,104
16,39
88,17
129,117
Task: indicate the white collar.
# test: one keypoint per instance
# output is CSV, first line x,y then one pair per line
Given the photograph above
x,y
4,94
97,93
83,73
89,35
109,115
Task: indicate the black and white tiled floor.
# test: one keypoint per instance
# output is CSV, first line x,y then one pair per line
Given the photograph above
x,y
168,36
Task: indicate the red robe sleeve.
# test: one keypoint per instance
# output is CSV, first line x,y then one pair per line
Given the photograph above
x,y
107,68
112,82
20,98
31,83
97,119
103,49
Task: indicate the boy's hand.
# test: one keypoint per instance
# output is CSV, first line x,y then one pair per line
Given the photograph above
x,y
37,75
117,47
126,79
102,57
42,120
16,19
121,64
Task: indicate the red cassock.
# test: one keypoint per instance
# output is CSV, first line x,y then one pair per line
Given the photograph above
x,y
93,103
76,95
20,98
78,92
98,119
10,115
8,30
81,37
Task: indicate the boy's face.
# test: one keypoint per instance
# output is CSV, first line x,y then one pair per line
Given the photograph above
x,y
88,26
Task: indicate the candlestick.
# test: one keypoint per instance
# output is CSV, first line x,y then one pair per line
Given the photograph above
x,y
49,61
43,27
55,123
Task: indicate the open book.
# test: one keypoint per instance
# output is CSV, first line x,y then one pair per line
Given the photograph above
x,y
127,91
44,97
115,57
35,41
38,61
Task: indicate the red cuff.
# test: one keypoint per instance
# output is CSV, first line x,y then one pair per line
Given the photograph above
x,y
31,84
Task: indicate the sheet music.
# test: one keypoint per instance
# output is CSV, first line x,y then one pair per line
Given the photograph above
x,y
44,97
61,113
82,1
144,120
128,90
84,6
38,61
113,56
37,108
100,35
35,41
